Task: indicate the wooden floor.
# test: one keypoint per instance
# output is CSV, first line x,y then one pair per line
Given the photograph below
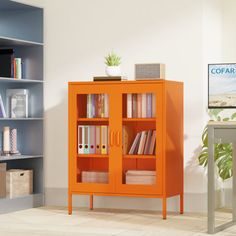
x,y
54,221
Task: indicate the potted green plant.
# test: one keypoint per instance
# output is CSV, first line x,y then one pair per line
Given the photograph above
x,y
112,62
223,151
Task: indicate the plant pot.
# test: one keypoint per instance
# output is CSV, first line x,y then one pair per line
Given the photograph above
x,y
113,71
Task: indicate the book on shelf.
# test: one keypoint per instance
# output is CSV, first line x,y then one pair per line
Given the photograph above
x,y
134,106
92,139
97,106
148,142
92,130
98,135
141,105
152,143
135,143
6,62
144,143
127,138
11,67
86,139
2,109
129,105
104,139
80,139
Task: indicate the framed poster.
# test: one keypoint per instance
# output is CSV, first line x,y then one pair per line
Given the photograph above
x,y
222,85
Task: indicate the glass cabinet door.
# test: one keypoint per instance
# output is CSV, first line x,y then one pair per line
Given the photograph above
x,y
141,160
91,148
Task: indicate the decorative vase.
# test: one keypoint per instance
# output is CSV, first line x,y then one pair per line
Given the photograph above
x,y
113,71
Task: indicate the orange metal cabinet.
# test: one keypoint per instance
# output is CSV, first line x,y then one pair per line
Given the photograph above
x,y
168,123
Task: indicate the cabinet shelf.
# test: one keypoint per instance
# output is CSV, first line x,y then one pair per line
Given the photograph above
x,y
140,156
139,119
93,156
94,119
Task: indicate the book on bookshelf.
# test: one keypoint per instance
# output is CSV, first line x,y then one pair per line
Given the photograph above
x,y
129,105
141,105
152,143
6,62
92,139
127,137
144,143
11,67
97,106
135,144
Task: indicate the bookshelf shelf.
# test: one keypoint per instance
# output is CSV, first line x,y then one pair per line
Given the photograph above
x,y
19,157
21,119
159,175
22,34
92,156
139,156
12,80
6,41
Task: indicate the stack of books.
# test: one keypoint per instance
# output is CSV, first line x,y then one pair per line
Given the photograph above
x,y
108,78
97,105
92,139
140,177
94,177
144,143
141,105
11,66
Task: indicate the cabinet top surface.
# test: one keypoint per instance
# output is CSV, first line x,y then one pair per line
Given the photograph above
x,y
159,81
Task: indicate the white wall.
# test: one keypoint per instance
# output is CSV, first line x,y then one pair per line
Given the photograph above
x,y
229,32
183,34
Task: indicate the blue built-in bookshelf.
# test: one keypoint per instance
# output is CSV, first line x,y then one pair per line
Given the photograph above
x,y
21,29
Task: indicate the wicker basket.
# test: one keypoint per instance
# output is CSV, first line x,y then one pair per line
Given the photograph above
x,y
19,183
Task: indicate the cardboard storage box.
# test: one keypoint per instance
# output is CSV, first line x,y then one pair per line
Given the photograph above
x,y
3,168
19,183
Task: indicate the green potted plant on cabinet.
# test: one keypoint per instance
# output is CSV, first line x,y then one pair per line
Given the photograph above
x,y
112,62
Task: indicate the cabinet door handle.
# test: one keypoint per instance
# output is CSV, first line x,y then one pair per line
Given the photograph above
x,y
118,139
111,138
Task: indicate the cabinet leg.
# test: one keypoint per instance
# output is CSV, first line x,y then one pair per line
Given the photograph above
x,y
181,199
91,202
69,203
164,208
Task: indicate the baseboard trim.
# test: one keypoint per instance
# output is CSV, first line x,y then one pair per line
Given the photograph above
x,y
193,202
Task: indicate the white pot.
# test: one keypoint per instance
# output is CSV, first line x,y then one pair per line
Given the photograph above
x,y
113,70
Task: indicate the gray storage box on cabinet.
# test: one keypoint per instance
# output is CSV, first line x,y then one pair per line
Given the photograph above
x,y
19,183
3,168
